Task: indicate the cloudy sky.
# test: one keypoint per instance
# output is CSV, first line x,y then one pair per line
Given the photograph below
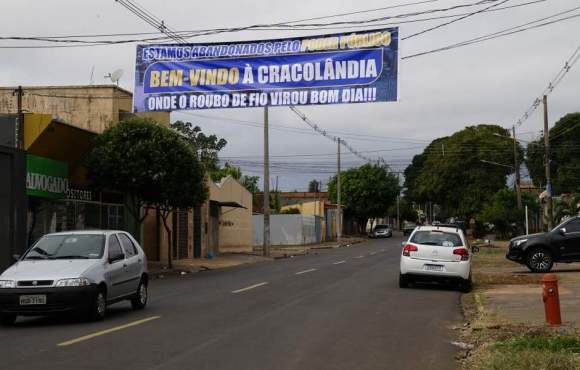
x,y
491,82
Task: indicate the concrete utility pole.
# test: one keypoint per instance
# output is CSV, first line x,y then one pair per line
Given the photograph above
x,y
266,235
517,169
549,204
398,222
19,119
338,204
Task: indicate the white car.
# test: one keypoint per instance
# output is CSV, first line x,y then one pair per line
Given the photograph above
x,y
75,271
436,253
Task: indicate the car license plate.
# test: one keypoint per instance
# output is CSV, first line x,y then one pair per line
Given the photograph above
x,y
27,300
434,267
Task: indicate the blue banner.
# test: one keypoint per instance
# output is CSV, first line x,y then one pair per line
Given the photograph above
x,y
358,67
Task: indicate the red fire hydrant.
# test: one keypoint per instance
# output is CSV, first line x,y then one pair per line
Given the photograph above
x,y
551,299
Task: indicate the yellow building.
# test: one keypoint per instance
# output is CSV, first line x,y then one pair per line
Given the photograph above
x,y
60,133
91,107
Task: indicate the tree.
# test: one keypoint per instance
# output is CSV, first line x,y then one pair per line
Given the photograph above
x,y
314,186
206,146
564,156
227,170
503,213
413,171
406,211
453,175
366,192
152,165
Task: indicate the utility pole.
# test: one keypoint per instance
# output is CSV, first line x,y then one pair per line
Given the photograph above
x,y
338,204
398,222
19,137
517,169
549,205
266,236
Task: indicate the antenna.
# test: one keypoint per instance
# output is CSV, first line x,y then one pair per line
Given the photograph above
x,y
92,78
115,76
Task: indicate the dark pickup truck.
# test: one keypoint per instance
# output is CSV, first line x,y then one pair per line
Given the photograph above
x,y
539,251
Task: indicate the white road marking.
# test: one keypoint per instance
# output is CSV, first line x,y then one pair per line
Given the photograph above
x,y
383,250
107,331
250,287
359,257
305,271
339,262
373,253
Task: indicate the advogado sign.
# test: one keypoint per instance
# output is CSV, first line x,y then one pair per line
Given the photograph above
x,y
45,177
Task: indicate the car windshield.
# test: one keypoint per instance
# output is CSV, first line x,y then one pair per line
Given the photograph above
x,y
438,238
381,227
409,224
71,246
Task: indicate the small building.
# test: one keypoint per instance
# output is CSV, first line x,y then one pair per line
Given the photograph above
x,y
59,127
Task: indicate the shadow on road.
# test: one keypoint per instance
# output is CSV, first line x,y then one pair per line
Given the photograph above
x,y
113,312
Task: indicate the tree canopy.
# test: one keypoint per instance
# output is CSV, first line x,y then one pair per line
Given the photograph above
x,y
366,192
451,171
503,213
150,163
206,146
564,156
314,186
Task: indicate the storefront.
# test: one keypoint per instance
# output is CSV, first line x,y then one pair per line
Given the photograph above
x,y
55,204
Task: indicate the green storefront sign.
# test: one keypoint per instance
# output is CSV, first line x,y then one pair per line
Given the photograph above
x,y
45,177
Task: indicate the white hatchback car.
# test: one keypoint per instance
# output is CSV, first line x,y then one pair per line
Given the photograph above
x,y
75,271
436,253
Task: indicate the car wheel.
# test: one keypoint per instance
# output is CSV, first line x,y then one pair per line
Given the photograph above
x,y
140,300
98,306
539,260
7,319
403,281
466,285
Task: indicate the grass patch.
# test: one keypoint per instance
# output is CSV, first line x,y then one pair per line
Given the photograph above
x,y
503,345
527,360
536,342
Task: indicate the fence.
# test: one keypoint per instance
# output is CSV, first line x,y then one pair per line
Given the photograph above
x,y
288,229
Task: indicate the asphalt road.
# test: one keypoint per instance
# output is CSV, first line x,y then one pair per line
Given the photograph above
x,y
337,309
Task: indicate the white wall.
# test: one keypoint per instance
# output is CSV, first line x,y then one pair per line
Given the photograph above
x,y
287,230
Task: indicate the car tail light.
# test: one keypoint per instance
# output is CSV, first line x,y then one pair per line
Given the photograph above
x,y
408,249
462,252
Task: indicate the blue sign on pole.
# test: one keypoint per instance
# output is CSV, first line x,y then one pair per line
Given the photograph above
x,y
358,67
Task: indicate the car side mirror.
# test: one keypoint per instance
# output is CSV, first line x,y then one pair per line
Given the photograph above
x,y
475,249
403,243
16,257
562,231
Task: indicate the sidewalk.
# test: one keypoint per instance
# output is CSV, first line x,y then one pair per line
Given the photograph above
x,y
515,294
225,260
160,270
285,251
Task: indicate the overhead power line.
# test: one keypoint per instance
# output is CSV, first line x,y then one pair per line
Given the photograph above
x,y
324,133
182,36
502,33
570,62
272,28
454,20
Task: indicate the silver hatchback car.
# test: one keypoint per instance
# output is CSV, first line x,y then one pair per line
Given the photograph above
x,y
80,271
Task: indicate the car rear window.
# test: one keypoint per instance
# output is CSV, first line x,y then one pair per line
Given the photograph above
x,y
438,238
